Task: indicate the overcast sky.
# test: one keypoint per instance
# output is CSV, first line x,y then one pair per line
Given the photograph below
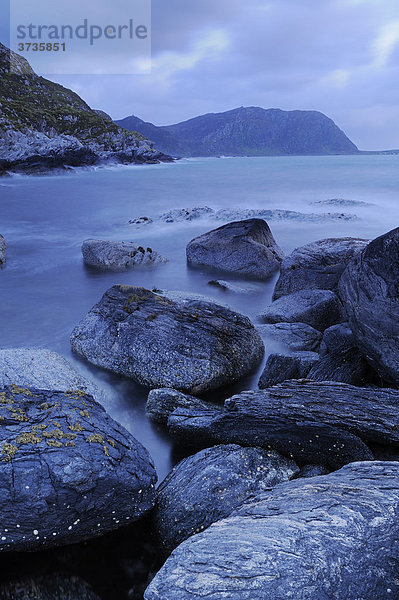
x,y
340,57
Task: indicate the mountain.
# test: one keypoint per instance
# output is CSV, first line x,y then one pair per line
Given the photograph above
x,y
44,125
249,131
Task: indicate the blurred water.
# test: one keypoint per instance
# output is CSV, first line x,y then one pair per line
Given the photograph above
x,y
45,288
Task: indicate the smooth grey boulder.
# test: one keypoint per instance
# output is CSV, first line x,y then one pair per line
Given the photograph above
x,y
318,308
68,472
243,247
42,369
346,366
297,336
117,256
208,486
318,265
2,250
326,537
192,346
280,367
47,587
337,338
369,290
162,402
296,419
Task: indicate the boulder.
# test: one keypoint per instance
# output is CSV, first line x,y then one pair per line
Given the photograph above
x,y
318,308
297,336
280,367
208,486
117,256
298,419
47,587
333,536
312,471
192,345
246,248
2,250
337,338
162,402
43,369
317,266
369,291
347,366
68,472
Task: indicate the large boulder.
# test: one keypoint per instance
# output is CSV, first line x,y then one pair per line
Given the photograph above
x,y
369,289
280,367
41,368
298,419
336,339
2,250
346,366
333,536
188,345
318,308
244,247
296,336
163,402
117,256
317,266
208,486
68,472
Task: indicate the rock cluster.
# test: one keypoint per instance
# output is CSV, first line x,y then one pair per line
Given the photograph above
x,y
118,256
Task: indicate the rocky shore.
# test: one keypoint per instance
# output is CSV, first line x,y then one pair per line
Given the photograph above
x,y
289,490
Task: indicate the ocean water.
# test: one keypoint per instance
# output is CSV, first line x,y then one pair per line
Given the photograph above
x,y
46,289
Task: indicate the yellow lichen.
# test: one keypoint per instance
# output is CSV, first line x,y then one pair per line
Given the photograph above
x,y
8,451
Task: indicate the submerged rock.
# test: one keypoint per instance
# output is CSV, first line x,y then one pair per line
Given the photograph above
x,y
318,308
2,250
317,266
115,256
68,472
228,286
208,486
297,336
244,247
47,587
280,367
162,402
369,291
333,536
188,345
42,369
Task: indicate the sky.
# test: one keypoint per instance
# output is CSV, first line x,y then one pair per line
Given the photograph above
x,y
340,57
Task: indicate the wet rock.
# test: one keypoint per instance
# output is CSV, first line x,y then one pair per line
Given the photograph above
x,y
186,214
244,247
162,402
346,366
317,266
228,286
327,537
50,587
2,250
297,336
42,369
208,486
318,308
192,346
313,423
68,472
118,256
280,367
341,202
369,291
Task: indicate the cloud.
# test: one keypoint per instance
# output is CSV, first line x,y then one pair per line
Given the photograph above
x,y
385,43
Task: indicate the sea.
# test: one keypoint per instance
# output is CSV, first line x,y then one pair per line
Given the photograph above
x,y
45,289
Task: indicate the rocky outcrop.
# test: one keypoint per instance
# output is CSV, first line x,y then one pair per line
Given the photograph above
x,y
317,266
208,486
297,419
42,369
68,472
189,345
118,256
296,336
280,367
244,247
318,308
162,403
333,536
369,291
2,250
48,587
